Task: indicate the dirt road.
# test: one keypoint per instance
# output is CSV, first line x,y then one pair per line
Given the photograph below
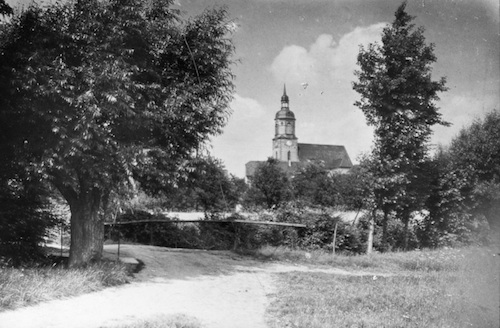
x,y
221,289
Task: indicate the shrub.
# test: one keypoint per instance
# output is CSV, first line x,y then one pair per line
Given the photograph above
x,y
201,235
24,221
320,229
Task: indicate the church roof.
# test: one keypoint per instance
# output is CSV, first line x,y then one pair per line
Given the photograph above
x,y
333,157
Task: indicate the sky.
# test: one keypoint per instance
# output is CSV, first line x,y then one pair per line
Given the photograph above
x,y
311,46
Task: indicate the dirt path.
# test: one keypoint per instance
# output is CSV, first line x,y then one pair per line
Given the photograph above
x,y
219,288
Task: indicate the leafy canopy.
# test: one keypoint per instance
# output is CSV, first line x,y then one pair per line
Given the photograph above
x,y
92,92
474,162
89,88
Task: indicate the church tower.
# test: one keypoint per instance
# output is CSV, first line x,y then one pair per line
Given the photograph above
x,y
285,143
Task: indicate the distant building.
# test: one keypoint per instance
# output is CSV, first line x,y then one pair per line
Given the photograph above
x,y
293,155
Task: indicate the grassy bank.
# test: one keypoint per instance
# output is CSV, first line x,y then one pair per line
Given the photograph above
x,y
445,288
22,287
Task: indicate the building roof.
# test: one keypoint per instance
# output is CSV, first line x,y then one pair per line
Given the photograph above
x,y
333,157
251,167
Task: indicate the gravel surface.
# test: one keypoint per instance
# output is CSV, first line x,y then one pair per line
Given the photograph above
x,y
219,288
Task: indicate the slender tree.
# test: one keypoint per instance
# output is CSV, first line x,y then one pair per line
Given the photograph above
x,y
398,98
91,92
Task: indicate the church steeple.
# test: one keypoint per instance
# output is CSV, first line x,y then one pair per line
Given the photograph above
x,y
285,146
284,98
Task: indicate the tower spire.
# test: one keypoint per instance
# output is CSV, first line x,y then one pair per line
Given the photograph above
x,y
285,143
284,98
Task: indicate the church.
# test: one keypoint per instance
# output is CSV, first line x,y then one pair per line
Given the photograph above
x,y
292,155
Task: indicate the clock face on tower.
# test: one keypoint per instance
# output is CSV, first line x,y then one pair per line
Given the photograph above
x,y
288,143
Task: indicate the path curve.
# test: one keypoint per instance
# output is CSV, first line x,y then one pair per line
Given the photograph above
x,y
221,289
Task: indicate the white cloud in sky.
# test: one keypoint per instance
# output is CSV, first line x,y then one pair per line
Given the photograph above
x,y
325,111
325,58
245,108
294,64
242,140
328,66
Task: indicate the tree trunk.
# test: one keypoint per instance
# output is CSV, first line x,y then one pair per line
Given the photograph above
x,y
405,235
371,230
384,246
87,229
406,221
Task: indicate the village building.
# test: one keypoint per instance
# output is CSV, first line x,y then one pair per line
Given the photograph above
x,y
292,155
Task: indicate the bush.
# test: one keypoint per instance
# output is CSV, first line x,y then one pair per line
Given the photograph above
x,y
174,233
24,221
200,235
320,230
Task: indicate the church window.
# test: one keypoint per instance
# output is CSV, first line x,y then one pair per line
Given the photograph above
x,y
289,155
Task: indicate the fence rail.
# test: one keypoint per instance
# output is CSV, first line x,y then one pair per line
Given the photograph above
x,y
283,224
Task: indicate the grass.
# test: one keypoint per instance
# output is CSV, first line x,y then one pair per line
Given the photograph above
x,y
445,259
444,288
27,286
164,321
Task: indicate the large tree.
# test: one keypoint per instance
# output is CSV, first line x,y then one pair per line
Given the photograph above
x,y
398,98
92,91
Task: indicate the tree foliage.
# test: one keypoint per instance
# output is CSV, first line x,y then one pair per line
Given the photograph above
x,y
269,186
314,186
398,98
317,186
474,161
5,9
205,186
92,91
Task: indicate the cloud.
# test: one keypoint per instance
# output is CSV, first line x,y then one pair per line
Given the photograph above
x,y
246,136
325,60
325,111
294,64
245,108
344,56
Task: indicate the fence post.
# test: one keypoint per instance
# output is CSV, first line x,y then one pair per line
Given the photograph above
x,y
62,227
334,238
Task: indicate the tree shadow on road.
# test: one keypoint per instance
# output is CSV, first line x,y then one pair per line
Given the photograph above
x,y
176,263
